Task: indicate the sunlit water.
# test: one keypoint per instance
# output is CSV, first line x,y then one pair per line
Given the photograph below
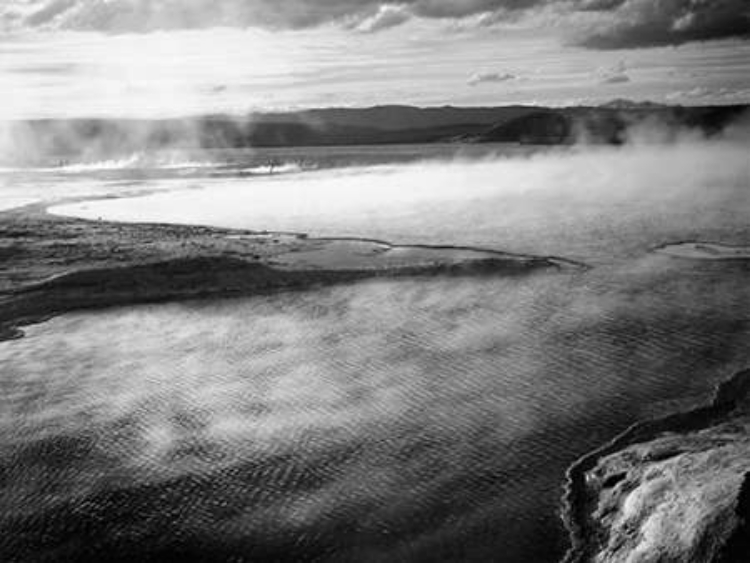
x,y
51,179
423,419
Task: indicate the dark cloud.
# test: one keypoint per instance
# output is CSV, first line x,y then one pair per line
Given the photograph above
x,y
647,23
386,16
148,15
50,11
117,16
610,24
464,8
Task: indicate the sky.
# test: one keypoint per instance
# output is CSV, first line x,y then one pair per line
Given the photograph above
x,y
166,58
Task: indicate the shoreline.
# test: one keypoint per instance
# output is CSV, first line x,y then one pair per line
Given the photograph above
x,y
56,264
704,250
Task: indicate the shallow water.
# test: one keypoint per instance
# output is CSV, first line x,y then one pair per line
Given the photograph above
x,y
422,419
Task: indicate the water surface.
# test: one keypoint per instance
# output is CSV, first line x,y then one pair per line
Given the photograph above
x,y
422,419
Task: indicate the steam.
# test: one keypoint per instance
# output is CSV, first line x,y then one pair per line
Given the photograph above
x,y
661,130
85,141
439,403
537,203
426,410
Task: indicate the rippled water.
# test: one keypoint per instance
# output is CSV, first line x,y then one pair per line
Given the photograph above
x,y
421,420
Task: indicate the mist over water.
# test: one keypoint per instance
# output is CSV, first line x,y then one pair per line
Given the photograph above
x,y
417,419
371,421
49,179
569,202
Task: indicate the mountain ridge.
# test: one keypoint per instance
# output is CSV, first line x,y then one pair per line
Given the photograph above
x,y
609,124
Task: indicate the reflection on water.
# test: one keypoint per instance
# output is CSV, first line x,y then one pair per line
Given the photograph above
x,y
410,419
420,420
54,179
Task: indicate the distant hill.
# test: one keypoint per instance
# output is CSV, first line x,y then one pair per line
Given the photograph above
x,y
622,103
394,117
609,123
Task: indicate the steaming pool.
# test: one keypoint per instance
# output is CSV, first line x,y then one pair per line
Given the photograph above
x,y
414,419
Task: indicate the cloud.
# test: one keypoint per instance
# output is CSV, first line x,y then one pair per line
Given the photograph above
x,y
598,24
647,23
388,15
710,94
613,75
490,77
45,69
615,79
116,16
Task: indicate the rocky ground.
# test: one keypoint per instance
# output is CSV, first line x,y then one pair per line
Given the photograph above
x,y
675,489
